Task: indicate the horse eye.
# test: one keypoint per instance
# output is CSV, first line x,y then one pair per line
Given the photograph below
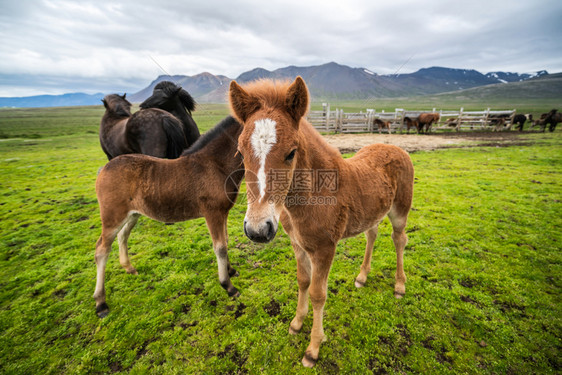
x,y
291,155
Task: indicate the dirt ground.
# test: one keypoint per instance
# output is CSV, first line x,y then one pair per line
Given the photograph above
x,y
418,142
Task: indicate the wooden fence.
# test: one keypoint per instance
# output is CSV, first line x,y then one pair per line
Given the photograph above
x,y
362,122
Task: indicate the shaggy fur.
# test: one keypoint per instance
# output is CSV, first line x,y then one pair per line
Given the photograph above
x,y
376,182
177,101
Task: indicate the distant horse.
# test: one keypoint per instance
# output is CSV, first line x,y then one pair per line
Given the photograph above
x,y
520,120
426,120
334,199
382,124
411,123
149,131
174,99
540,121
452,122
202,182
551,118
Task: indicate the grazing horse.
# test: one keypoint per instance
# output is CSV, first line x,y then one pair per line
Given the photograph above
x,y
427,119
202,182
327,198
174,99
382,124
149,131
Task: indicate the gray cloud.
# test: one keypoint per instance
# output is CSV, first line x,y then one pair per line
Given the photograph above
x,y
60,46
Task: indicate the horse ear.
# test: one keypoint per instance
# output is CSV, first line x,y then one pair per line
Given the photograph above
x,y
242,105
124,95
104,102
297,99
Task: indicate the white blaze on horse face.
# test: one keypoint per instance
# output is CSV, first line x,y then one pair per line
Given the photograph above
x,y
263,138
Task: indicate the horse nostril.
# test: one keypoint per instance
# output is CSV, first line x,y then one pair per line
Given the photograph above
x,y
270,230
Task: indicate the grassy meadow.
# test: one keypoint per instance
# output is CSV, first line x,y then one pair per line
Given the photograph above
x,y
483,262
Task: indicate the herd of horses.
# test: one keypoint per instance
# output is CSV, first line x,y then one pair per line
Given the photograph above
x,y
161,167
423,122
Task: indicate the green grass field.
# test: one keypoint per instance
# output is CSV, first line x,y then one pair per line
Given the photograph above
x,y
483,262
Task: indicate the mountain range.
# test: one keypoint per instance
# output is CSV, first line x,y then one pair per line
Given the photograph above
x,y
329,81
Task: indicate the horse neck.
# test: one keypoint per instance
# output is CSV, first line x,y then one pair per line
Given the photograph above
x,y
315,152
110,119
223,151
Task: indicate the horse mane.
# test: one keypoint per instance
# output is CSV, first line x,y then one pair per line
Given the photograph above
x,y
171,89
211,135
270,93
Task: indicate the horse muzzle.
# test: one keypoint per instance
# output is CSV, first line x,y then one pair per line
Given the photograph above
x,y
264,232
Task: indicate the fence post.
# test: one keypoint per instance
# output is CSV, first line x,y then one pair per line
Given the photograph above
x,y
339,124
511,120
459,119
486,118
396,110
327,116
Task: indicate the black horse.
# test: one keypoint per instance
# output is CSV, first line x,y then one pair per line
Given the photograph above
x,y
151,131
520,120
174,99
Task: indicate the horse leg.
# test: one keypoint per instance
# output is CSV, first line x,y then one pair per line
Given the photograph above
x,y
303,280
122,238
103,247
400,239
216,222
321,263
371,235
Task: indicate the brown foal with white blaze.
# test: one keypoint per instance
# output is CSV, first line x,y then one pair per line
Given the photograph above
x,y
352,197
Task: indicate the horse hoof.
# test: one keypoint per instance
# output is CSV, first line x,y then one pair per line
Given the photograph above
x,y
234,293
308,361
399,295
102,310
132,271
359,284
233,273
293,331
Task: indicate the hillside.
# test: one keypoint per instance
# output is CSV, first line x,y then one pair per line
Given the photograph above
x,y
333,81
65,100
544,87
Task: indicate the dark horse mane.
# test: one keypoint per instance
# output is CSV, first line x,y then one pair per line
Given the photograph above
x,y
211,135
170,88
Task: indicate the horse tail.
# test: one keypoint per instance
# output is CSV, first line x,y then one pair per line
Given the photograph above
x,y
175,137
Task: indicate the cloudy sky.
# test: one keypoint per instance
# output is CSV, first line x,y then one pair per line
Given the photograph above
x,y
54,47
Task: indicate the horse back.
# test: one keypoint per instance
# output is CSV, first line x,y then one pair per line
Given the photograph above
x,y
155,132
383,175
158,188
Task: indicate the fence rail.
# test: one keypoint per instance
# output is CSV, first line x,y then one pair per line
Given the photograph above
x,y
345,122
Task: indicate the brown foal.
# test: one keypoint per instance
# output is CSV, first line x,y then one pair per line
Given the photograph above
x,y
326,198
202,182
